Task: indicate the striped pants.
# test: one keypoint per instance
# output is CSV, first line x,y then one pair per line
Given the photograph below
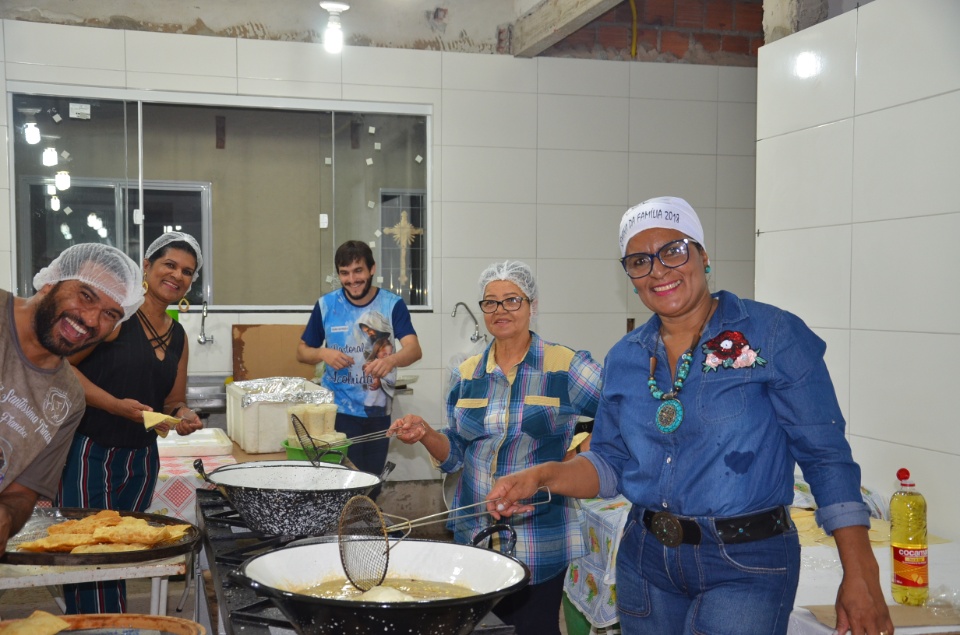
x,y
101,477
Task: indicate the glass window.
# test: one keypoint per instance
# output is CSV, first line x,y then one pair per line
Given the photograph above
x,y
253,185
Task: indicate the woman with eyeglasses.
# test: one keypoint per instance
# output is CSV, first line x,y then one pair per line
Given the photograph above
x,y
705,412
513,406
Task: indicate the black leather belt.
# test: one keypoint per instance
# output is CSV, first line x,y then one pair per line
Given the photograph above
x,y
673,530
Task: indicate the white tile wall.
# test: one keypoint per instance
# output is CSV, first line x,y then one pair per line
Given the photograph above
x,y
670,125
489,72
821,155
390,67
176,54
864,219
905,160
807,79
495,175
649,80
582,177
582,123
900,268
929,66
533,159
689,176
489,119
593,78
797,275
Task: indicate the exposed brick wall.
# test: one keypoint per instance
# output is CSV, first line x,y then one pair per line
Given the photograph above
x,y
718,32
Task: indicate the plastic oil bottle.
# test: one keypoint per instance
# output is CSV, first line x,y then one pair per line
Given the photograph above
x,y
908,542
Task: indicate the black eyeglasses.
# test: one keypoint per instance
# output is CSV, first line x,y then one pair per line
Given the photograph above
x,y
672,255
508,304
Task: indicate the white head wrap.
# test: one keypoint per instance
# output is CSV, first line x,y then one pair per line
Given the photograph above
x,y
173,237
101,266
668,212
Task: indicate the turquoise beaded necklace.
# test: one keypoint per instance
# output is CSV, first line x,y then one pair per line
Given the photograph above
x,y
670,412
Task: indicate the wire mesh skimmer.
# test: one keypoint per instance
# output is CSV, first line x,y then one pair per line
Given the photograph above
x,y
364,537
315,449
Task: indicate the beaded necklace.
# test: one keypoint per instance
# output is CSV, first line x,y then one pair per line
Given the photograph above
x,y
670,412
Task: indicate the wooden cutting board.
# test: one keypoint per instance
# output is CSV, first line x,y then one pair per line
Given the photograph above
x,y
268,350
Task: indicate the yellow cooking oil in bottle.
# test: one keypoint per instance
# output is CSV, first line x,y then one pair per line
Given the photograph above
x,y
908,542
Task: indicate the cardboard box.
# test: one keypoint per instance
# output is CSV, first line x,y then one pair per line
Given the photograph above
x,y
260,427
268,350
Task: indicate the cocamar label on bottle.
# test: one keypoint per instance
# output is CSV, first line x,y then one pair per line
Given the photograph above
x,y
909,567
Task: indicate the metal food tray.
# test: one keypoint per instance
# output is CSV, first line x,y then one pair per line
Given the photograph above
x,y
37,528
127,624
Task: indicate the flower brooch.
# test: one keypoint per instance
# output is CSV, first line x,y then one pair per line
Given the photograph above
x,y
730,349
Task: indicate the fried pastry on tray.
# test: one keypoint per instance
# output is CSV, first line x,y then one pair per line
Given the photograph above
x,y
59,543
103,518
109,547
133,531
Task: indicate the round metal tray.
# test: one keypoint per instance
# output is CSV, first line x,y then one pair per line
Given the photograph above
x,y
128,624
188,543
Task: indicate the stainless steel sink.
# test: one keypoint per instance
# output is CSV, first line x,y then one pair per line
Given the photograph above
x,y
207,393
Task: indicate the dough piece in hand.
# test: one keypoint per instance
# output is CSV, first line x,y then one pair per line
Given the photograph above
x,y
153,419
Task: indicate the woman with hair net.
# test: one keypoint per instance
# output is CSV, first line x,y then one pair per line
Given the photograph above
x,y
513,406
141,367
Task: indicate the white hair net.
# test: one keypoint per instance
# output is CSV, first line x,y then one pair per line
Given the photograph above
x,y
172,237
101,266
519,273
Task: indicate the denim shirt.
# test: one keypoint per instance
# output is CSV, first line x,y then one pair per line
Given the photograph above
x,y
498,427
745,427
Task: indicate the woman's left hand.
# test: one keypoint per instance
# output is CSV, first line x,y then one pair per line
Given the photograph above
x,y
189,423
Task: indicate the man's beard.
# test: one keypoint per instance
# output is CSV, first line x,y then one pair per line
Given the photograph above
x,y
366,290
46,316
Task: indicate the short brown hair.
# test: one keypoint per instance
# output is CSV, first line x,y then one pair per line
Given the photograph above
x,y
351,251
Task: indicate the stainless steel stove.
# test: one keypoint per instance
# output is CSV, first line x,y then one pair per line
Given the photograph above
x,y
227,543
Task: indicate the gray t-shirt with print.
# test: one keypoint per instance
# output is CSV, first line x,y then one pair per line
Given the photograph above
x,y
39,412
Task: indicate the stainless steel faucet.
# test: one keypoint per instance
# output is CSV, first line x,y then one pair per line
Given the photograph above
x,y
203,339
476,337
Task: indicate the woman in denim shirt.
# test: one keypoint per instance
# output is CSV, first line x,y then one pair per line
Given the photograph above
x,y
513,406
705,411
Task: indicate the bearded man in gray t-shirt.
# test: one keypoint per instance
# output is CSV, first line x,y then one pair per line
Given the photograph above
x,y
81,297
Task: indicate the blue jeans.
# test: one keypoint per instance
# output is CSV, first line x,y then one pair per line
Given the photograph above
x,y
706,589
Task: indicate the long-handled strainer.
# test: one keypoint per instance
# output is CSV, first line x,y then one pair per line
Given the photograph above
x,y
316,448
364,542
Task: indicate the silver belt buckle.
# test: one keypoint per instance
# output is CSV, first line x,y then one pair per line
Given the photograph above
x,y
666,528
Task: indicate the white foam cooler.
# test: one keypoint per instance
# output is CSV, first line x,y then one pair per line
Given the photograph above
x,y
262,426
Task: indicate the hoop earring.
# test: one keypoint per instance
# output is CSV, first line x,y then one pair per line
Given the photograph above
x,y
146,287
184,304
707,269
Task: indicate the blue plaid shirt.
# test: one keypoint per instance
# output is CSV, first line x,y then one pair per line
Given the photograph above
x,y
499,425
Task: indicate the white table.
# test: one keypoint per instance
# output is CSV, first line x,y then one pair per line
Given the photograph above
x,y
21,576
820,576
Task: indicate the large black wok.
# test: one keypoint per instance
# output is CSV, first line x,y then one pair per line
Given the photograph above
x,y
490,573
290,498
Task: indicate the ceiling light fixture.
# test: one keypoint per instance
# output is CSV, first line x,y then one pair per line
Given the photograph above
x,y
333,36
55,203
31,133
50,157
62,180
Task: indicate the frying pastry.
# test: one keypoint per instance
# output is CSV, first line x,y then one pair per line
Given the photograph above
x,y
39,623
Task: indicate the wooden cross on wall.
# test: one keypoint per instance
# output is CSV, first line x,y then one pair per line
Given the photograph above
x,y
404,234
